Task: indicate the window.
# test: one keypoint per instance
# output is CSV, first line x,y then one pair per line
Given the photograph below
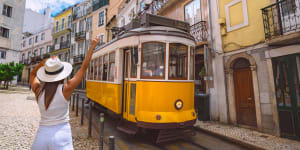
x,y
100,69
62,23
101,19
134,61
36,39
91,70
56,26
81,25
192,62
105,67
29,57
153,60
43,36
24,43
35,53
30,41
2,54
101,36
55,41
178,61
4,32
142,6
89,24
69,21
73,28
111,66
192,12
23,58
41,52
7,10
48,49
95,68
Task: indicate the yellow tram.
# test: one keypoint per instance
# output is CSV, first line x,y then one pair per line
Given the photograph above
x,y
145,75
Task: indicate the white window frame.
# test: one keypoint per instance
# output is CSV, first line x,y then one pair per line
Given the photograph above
x,y
56,25
69,23
245,14
100,25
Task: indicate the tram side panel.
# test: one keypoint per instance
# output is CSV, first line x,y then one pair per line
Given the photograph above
x,y
106,94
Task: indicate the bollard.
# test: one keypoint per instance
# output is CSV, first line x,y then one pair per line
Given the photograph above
x,y
77,100
90,119
82,111
101,130
73,102
111,143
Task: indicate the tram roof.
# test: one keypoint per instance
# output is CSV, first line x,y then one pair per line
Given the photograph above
x,y
148,24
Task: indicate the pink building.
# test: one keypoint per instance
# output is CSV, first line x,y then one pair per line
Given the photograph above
x,y
34,48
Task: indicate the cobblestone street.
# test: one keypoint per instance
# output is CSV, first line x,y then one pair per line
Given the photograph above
x,y
19,121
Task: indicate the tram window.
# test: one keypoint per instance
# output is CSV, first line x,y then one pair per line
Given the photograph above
x,y
92,70
178,61
100,69
134,61
105,67
88,72
111,66
95,68
153,60
192,63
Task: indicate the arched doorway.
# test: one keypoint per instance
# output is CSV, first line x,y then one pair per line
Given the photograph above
x,y
244,93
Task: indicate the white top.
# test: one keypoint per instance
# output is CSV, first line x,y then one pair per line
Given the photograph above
x,y
58,110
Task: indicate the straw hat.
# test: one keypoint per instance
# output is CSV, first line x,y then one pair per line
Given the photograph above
x,y
54,70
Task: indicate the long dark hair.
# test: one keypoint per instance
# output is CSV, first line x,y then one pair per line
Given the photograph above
x,y
50,90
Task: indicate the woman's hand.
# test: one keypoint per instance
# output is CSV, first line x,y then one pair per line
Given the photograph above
x,y
95,42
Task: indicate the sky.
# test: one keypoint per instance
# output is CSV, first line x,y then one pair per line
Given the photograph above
x,y
55,5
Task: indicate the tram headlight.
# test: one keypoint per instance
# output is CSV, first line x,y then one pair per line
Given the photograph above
x,y
178,104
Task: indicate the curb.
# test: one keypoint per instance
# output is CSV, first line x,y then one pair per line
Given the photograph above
x,y
229,139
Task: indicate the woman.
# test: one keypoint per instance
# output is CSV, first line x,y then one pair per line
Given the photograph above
x,y
53,96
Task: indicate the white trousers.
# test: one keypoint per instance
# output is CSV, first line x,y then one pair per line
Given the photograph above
x,y
55,137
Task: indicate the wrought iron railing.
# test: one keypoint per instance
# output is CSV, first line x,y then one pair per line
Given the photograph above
x,y
281,18
99,3
80,35
78,58
65,44
199,31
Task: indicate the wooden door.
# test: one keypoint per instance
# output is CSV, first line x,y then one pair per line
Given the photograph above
x,y
244,97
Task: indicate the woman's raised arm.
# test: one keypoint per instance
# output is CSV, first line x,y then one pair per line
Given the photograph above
x,y
75,81
34,82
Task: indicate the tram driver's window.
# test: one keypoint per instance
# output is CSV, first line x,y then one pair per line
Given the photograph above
x,y
178,61
111,66
105,67
153,60
100,68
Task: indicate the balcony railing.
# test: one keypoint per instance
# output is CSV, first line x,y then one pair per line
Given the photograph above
x,y
281,18
80,35
199,31
65,44
78,58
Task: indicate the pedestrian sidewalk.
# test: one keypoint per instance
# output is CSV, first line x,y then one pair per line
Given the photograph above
x,y
247,137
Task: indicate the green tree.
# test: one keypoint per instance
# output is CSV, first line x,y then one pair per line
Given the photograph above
x,y
9,71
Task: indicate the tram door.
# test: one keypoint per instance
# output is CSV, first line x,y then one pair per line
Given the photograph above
x,y
129,97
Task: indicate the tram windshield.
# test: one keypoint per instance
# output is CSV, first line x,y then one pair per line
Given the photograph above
x,y
153,60
178,61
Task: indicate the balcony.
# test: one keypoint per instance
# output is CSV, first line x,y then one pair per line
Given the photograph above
x,y
199,31
65,44
282,22
78,59
80,35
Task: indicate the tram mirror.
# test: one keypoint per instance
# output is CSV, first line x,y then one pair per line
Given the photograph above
x,y
134,55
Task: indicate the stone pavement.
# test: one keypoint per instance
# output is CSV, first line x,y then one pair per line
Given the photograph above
x,y
248,136
19,121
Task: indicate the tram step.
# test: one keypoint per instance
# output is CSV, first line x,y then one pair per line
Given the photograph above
x,y
127,127
173,134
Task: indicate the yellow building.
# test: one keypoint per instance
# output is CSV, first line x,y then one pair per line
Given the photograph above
x,y
61,34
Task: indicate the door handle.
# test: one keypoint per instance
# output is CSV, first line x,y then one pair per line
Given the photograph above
x,y
249,98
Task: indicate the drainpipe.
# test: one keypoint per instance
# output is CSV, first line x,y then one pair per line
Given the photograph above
x,y
211,43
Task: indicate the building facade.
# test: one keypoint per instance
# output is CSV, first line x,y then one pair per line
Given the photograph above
x,y
80,35
11,25
35,48
61,34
